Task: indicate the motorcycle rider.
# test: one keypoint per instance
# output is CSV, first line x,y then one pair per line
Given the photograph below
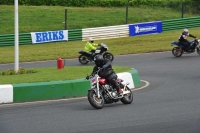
x,y
183,39
90,47
107,72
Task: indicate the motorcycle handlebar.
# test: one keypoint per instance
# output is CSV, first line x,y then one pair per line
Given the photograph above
x,y
92,75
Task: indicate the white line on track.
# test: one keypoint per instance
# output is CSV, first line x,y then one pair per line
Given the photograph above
x,y
146,84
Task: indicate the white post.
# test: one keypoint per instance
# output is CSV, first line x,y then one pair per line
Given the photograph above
x,y
16,37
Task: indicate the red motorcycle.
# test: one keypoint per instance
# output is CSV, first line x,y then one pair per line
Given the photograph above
x,y
102,92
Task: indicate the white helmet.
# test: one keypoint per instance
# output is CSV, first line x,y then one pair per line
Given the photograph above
x,y
185,31
91,40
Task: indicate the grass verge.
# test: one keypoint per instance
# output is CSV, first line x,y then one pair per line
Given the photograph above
x,y
54,74
47,18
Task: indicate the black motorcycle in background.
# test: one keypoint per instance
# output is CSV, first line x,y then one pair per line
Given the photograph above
x,y
86,57
178,50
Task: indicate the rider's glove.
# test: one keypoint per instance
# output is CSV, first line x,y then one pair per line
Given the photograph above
x,y
87,77
104,66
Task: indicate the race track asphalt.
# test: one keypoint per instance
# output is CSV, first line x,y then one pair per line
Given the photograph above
x,y
170,104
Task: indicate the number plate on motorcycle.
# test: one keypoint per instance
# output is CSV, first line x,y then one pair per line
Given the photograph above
x,y
97,51
93,80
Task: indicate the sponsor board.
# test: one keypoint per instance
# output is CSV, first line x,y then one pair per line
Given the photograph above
x,y
145,28
49,36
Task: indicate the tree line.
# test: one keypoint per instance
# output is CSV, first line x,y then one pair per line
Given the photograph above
x,y
99,3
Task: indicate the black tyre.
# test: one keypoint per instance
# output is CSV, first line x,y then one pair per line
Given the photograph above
x,y
108,55
83,59
127,98
176,52
198,51
96,102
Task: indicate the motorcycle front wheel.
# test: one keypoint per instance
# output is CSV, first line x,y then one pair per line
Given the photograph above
x,y
127,98
93,99
176,52
198,51
83,59
108,55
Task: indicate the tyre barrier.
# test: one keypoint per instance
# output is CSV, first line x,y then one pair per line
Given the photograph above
x,y
27,92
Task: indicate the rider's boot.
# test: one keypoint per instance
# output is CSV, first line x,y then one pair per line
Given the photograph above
x,y
185,49
120,92
92,56
181,49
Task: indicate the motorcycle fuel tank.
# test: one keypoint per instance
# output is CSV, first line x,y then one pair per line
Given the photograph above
x,y
102,81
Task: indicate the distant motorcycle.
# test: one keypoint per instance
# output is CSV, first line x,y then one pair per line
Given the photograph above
x,y
177,51
102,92
86,57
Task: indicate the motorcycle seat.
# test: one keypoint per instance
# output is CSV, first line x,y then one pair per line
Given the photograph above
x,y
175,42
81,51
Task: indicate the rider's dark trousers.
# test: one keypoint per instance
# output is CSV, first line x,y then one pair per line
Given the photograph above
x,y
185,44
112,79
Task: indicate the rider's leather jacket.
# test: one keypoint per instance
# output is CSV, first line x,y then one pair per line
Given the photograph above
x,y
183,37
104,73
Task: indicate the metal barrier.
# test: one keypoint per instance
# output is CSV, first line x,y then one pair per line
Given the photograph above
x,y
25,38
75,35
9,39
106,32
176,24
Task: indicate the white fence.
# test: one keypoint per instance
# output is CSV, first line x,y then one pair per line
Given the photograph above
x,y
107,32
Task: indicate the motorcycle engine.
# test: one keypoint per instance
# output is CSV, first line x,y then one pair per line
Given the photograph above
x,y
114,94
107,99
112,91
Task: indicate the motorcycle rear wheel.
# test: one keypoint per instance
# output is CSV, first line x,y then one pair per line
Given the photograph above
x,y
83,59
198,51
96,102
127,98
108,55
176,52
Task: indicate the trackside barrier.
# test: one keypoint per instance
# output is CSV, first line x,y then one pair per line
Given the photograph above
x,y
25,38
106,32
182,23
49,90
145,28
26,92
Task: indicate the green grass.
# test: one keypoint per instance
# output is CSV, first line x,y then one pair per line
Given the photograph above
x,y
47,18
54,74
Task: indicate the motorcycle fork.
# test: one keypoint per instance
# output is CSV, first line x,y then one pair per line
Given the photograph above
x,y
98,93
125,84
126,89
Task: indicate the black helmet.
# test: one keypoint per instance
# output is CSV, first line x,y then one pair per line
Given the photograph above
x,y
98,59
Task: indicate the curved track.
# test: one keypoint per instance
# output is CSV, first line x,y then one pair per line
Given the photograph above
x,y
170,104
